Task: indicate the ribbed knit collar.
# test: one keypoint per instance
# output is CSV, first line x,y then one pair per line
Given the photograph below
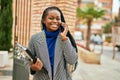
x,y
51,34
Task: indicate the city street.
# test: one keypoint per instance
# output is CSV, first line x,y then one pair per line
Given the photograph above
x,y
37,25
107,70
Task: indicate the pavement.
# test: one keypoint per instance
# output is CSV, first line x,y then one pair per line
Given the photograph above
x,y
6,71
109,69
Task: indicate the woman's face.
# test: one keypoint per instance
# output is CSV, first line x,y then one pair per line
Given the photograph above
x,y
52,20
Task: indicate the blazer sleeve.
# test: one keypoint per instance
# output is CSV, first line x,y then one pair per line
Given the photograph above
x,y
69,52
31,48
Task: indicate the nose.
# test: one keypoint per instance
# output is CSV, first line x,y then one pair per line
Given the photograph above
x,y
54,20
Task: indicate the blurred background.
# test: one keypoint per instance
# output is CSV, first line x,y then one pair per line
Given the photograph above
x,y
95,25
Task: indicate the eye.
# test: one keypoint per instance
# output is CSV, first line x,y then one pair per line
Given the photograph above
x,y
51,18
58,18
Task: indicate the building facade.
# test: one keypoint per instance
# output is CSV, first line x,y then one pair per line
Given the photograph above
x,y
27,16
97,24
106,5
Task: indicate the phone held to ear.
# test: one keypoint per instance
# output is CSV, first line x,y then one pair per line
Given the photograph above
x,y
61,28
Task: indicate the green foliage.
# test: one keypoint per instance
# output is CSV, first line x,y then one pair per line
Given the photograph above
x,y
108,39
0,2
116,21
6,21
107,28
89,12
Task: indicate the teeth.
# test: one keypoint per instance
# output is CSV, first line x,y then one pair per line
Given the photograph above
x,y
54,24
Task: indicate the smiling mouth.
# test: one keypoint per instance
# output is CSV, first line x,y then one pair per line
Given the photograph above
x,y
54,25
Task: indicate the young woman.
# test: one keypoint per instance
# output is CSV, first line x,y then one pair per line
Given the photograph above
x,y
54,47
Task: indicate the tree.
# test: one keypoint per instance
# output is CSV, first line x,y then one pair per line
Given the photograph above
x,y
78,5
107,28
6,21
89,13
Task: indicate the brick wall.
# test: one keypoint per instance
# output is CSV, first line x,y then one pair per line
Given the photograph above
x,y
29,16
68,8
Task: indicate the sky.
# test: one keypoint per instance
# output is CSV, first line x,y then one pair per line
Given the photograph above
x,y
116,5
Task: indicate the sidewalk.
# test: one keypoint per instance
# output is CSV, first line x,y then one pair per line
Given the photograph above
x,y
6,71
107,70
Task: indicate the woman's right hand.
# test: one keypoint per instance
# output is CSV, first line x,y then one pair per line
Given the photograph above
x,y
36,66
64,33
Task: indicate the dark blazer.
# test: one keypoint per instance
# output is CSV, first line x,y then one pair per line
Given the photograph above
x,y
64,54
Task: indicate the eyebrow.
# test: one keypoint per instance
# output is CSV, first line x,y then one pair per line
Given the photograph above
x,y
54,16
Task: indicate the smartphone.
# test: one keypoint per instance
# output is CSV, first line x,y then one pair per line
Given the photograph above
x,y
61,28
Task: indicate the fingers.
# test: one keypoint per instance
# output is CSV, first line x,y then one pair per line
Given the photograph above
x,y
64,33
37,66
65,28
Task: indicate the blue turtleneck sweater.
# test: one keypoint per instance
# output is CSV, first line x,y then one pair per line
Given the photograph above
x,y
51,40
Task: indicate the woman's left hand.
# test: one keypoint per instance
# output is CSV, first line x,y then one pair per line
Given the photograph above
x,y
36,66
64,33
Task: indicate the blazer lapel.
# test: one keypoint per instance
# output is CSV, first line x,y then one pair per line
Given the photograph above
x,y
44,52
57,53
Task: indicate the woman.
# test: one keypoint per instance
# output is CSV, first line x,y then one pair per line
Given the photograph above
x,y
54,47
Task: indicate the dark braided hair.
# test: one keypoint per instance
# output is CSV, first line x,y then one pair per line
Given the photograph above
x,y
62,19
